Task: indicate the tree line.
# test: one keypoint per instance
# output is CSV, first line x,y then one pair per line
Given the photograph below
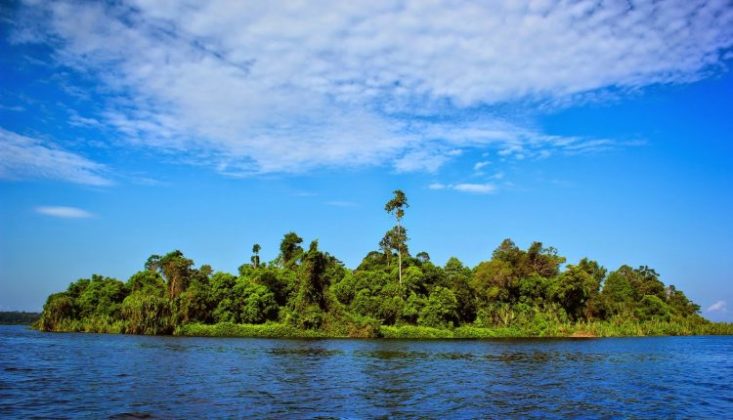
x,y
309,289
18,317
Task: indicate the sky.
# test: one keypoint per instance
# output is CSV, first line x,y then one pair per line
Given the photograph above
x,y
131,128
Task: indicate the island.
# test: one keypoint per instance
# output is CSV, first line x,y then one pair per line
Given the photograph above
x,y
309,293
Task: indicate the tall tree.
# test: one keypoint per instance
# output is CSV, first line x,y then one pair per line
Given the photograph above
x,y
177,271
394,239
290,249
396,206
313,282
256,257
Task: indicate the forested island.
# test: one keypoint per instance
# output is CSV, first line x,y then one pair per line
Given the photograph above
x,y
306,292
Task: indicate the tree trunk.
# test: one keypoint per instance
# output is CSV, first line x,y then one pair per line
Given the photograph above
x,y
399,250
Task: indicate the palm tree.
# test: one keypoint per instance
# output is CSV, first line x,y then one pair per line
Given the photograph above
x,y
256,257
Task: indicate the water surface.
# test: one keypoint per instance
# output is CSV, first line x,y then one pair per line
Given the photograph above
x,y
95,375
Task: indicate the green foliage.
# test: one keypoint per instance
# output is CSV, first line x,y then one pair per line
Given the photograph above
x,y
279,281
290,249
59,307
146,314
679,303
652,307
414,332
313,280
149,282
193,304
177,271
100,296
256,303
572,289
309,293
19,317
441,309
243,330
309,317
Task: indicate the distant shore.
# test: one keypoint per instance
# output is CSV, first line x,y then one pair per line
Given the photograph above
x,y
18,317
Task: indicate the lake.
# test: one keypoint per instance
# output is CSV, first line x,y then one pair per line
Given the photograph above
x,y
95,375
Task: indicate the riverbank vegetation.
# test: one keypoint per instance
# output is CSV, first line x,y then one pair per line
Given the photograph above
x,y
306,292
18,317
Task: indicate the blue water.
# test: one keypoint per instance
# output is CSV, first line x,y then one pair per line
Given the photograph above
x,y
94,375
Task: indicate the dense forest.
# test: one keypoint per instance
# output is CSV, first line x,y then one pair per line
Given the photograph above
x,y
307,292
17,317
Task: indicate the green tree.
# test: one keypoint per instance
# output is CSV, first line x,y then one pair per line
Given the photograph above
x,y
254,303
396,206
101,298
279,281
394,241
145,312
222,285
313,280
679,303
652,307
59,308
290,249
618,293
572,289
594,305
176,270
149,282
256,255
646,282
441,309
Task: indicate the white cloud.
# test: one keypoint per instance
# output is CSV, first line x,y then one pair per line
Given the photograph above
x,y
64,212
475,188
424,160
483,188
480,165
719,306
254,87
26,157
341,203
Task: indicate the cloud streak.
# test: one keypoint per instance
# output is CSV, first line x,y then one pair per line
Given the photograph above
x,y
23,157
719,306
64,212
252,87
472,188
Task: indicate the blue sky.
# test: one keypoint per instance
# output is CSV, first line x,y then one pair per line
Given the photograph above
x,y
133,128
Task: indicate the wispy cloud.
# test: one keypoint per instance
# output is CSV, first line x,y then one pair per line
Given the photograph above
x,y
14,108
64,212
304,194
473,188
480,165
252,87
719,306
25,157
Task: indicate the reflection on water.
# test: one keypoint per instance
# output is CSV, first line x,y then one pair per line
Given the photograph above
x,y
91,375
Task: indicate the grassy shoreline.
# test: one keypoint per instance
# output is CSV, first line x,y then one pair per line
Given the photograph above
x,y
580,330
